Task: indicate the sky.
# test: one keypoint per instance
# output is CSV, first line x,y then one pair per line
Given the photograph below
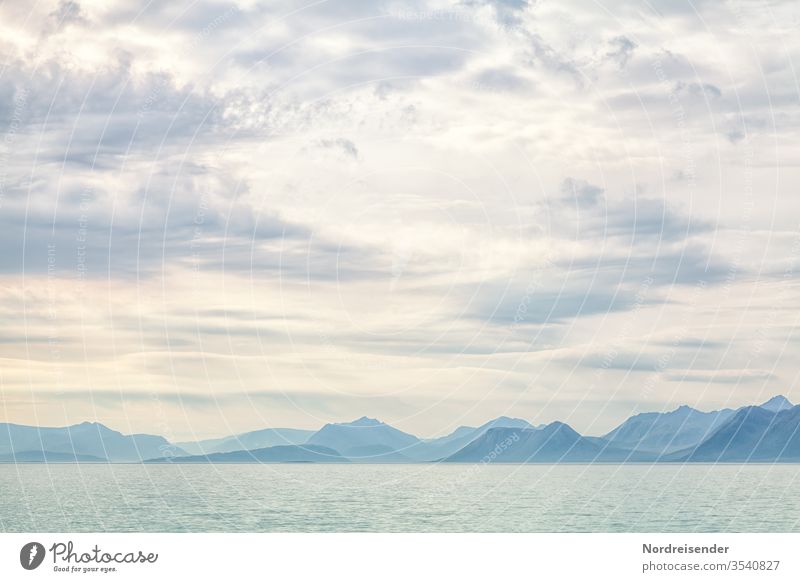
x,y
218,216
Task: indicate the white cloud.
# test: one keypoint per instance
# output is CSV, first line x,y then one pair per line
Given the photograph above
x,y
378,192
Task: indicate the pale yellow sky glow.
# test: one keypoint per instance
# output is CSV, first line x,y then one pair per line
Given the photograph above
x,y
219,216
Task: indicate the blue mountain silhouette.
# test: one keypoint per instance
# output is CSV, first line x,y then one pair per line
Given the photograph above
x,y
769,432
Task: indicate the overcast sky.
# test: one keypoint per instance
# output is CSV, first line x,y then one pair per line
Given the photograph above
x,y
219,216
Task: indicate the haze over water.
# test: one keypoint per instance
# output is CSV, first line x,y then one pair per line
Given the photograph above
x,y
407,498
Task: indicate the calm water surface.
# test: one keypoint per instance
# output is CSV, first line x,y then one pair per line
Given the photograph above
x,y
405,498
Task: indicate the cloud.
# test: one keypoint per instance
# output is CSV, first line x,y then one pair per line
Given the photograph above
x,y
580,192
720,376
622,49
68,12
354,199
341,145
638,218
515,308
497,79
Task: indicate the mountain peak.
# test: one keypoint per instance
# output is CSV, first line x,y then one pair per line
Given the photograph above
x,y
777,403
557,425
363,421
683,409
507,422
88,424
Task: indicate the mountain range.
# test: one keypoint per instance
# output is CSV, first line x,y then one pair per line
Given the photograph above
x,y
257,439
76,442
755,434
364,438
769,432
664,433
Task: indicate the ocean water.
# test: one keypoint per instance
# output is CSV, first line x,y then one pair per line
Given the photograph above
x,y
399,498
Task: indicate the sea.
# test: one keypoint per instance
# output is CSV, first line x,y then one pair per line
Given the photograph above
x,y
399,498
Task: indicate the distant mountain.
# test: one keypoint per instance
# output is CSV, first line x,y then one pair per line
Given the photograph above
x,y
257,439
48,457
556,442
279,454
665,432
349,437
88,438
443,447
766,433
376,454
777,403
458,433
754,433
